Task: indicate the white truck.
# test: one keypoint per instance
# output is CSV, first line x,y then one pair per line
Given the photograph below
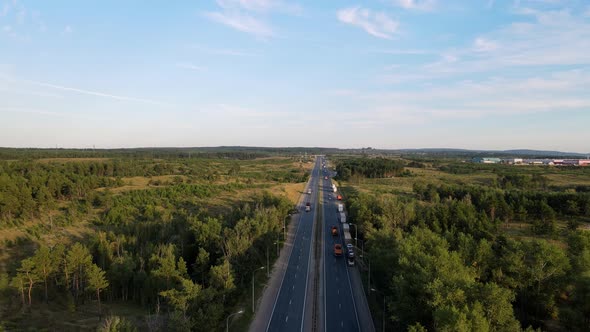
x,y
348,244
340,207
334,189
342,217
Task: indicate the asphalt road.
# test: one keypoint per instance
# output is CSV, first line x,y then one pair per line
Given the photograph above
x,y
341,312
288,313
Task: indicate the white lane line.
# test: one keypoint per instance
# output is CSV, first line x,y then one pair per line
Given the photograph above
x,y
286,319
356,314
283,278
290,301
315,211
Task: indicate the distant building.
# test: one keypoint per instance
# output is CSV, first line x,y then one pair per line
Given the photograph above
x,y
576,162
512,161
486,160
520,161
537,161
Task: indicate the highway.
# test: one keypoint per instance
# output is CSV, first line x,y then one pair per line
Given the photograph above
x,y
340,309
288,312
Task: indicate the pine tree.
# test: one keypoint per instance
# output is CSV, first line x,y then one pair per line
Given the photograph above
x,y
97,282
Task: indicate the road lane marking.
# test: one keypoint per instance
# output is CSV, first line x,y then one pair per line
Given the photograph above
x,y
290,256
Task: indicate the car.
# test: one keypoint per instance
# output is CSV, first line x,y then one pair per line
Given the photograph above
x,y
349,246
334,231
337,249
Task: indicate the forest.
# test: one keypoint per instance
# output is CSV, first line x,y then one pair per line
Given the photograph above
x,y
175,254
369,167
505,252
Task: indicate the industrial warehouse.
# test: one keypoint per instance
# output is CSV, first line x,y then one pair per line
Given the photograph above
x,y
522,161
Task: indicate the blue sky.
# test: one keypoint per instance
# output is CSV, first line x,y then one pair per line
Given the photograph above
x,y
387,74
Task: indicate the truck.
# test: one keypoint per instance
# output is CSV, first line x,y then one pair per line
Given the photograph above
x,y
342,217
334,231
334,189
349,250
340,207
346,228
307,207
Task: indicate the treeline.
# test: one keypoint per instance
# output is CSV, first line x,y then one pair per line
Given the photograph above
x,y
445,266
369,168
161,250
136,153
541,208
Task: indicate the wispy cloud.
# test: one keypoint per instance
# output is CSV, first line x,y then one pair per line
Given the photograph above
x,y
187,65
250,16
495,97
548,38
242,22
425,5
484,45
403,52
97,93
224,51
377,24
261,5
5,9
21,20
68,29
